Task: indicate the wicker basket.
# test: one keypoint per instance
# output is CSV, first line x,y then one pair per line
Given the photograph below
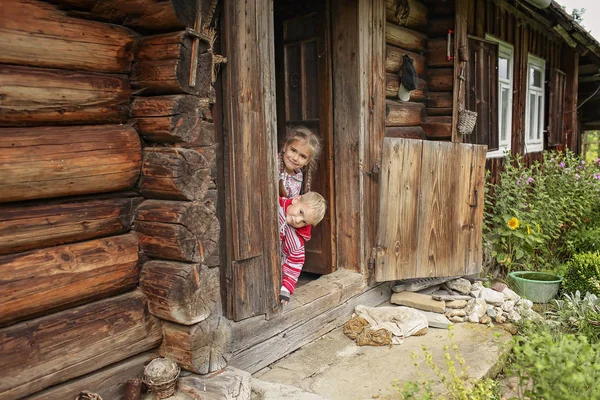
x,y
466,121
86,395
161,387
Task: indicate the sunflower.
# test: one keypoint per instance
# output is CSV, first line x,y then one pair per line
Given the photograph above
x,y
513,223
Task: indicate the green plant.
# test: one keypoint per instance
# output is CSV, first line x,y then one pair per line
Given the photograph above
x,y
577,315
582,273
551,367
584,240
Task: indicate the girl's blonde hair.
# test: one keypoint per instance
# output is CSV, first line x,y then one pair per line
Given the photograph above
x,y
314,142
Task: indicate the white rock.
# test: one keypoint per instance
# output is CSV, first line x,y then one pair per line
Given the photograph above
x,y
473,318
456,313
461,285
457,319
500,319
510,295
456,304
514,316
508,306
491,296
491,311
524,304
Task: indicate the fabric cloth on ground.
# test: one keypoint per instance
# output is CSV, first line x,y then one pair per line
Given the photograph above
x,y
402,322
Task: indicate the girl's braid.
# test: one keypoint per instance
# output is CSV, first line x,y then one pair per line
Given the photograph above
x,y
309,171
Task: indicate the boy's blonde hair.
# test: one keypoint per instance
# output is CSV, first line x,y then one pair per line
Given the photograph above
x,y
316,203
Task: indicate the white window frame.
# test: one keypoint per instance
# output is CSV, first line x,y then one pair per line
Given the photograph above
x,y
506,50
534,140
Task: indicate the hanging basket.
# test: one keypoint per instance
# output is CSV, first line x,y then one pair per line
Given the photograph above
x,y
160,376
86,395
466,121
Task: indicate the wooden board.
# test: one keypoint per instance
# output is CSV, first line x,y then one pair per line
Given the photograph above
x,y
404,113
392,84
56,348
42,281
440,79
38,96
44,162
37,34
405,38
33,226
416,14
393,60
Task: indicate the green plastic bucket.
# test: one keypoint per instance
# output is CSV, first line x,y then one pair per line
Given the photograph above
x,y
539,287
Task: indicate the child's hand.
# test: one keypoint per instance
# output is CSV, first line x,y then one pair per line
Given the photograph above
x,y
284,302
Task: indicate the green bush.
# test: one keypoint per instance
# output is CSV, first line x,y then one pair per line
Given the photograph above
x,y
585,240
578,315
582,273
560,368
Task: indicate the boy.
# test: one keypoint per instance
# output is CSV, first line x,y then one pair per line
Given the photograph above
x,y
296,218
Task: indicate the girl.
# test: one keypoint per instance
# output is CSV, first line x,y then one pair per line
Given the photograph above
x,y
298,161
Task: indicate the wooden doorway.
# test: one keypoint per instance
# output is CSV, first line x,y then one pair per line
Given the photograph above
x,y
304,93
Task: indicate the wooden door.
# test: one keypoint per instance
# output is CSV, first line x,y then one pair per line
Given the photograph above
x,y
303,63
430,209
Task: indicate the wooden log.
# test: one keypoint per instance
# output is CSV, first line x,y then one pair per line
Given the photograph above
x,y
178,230
439,8
403,113
56,348
437,127
201,348
33,226
392,82
405,38
416,14
108,382
393,60
409,132
37,34
438,111
438,27
174,119
162,66
44,162
210,155
42,281
437,53
440,79
173,173
37,96
181,292
439,99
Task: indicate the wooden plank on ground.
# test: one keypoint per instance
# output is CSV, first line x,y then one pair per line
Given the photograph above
x,y
56,348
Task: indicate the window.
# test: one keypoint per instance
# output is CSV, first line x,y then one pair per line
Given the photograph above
x,y
505,90
534,107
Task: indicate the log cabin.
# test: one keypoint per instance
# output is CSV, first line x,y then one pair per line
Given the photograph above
x,y
138,151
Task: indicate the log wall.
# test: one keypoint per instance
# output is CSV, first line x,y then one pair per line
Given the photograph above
x,y
107,169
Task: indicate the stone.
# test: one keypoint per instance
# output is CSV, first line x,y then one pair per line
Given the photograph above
x,y
524,304
508,306
500,318
461,285
513,316
456,304
486,319
446,296
491,311
416,284
418,301
456,313
476,288
499,286
436,320
510,295
491,296
429,290
457,319
510,328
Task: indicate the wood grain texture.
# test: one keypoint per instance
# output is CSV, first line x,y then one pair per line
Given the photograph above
x,y
392,84
42,281
404,113
438,127
416,18
439,99
178,230
436,53
173,173
179,292
56,348
409,132
437,27
37,34
405,38
34,226
393,60
109,382
44,162
440,79
38,96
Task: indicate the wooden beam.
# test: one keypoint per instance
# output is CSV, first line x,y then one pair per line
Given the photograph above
x,y
44,162
58,347
173,174
33,226
438,127
439,99
416,14
393,60
162,66
405,38
437,27
42,281
460,42
436,54
181,292
404,113
174,119
37,96
37,34
392,84
178,230
409,132
440,79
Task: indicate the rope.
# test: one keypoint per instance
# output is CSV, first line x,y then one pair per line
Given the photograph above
x,y
379,337
355,326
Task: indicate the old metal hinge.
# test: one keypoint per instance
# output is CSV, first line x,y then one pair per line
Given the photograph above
x,y
374,169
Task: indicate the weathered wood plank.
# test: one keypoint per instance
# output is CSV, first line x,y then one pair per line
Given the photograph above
x,y
439,99
174,119
42,281
408,132
35,96
56,348
162,66
201,348
476,208
438,26
404,113
178,230
439,112
43,162
397,237
392,83
416,14
37,34
264,353
393,60
173,173
438,127
181,292
440,79
437,53
33,226
405,38
109,382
